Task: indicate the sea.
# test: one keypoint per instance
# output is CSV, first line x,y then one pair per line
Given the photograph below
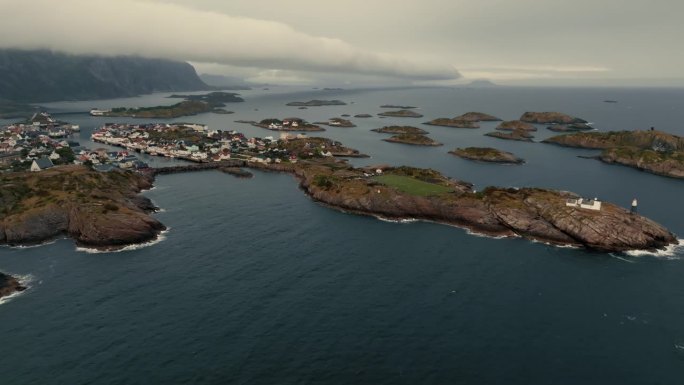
x,y
255,283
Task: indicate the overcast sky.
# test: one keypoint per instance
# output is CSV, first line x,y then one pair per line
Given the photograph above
x,y
581,42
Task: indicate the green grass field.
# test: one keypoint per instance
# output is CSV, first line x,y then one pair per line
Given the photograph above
x,y
412,186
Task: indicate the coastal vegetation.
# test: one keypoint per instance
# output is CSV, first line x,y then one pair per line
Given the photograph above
x,y
412,185
98,209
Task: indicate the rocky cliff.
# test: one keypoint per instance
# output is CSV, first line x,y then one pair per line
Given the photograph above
x,y
100,210
43,76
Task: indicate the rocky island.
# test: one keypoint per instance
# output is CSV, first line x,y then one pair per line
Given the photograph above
x,y
9,285
457,123
192,105
487,154
363,116
651,151
477,117
97,209
317,103
536,214
550,118
513,125
400,130
519,135
413,139
401,114
574,127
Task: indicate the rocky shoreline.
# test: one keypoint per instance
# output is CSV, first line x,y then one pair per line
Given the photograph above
x,y
9,285
531,213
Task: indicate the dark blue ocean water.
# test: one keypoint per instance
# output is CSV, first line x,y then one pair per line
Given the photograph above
x,y
256,284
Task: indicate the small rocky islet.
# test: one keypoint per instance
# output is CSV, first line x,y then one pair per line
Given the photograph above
x,y
549,118
518,134
9,285
456,123
413,139
401,114
400,130
513,125
487,154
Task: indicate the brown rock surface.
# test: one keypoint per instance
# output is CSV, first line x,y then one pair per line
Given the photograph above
x,y
9,285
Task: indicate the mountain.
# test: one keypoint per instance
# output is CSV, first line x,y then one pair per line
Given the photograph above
x,y
43,76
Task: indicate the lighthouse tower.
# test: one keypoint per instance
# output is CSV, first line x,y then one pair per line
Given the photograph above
x,y
634,206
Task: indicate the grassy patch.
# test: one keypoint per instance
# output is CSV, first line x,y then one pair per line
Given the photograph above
x,y
411,185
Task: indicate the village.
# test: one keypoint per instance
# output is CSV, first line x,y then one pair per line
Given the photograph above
x,y
41,142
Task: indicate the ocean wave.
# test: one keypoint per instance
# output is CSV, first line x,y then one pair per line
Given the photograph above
x,y
405,220
670,252
20,247
24,280
160,238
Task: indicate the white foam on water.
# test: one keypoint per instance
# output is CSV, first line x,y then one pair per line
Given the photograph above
x,y
670,252
160,238
621,258
19,247
24,280
405,220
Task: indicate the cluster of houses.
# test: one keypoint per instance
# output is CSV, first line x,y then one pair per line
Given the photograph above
x,y
30,145
36,146
38,141
193,142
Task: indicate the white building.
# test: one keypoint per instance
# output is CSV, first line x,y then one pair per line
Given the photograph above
x,y
583,203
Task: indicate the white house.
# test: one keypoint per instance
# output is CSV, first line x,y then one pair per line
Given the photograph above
x,y
41,164
583,203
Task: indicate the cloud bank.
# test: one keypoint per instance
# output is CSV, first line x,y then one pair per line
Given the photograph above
x,y
162,30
